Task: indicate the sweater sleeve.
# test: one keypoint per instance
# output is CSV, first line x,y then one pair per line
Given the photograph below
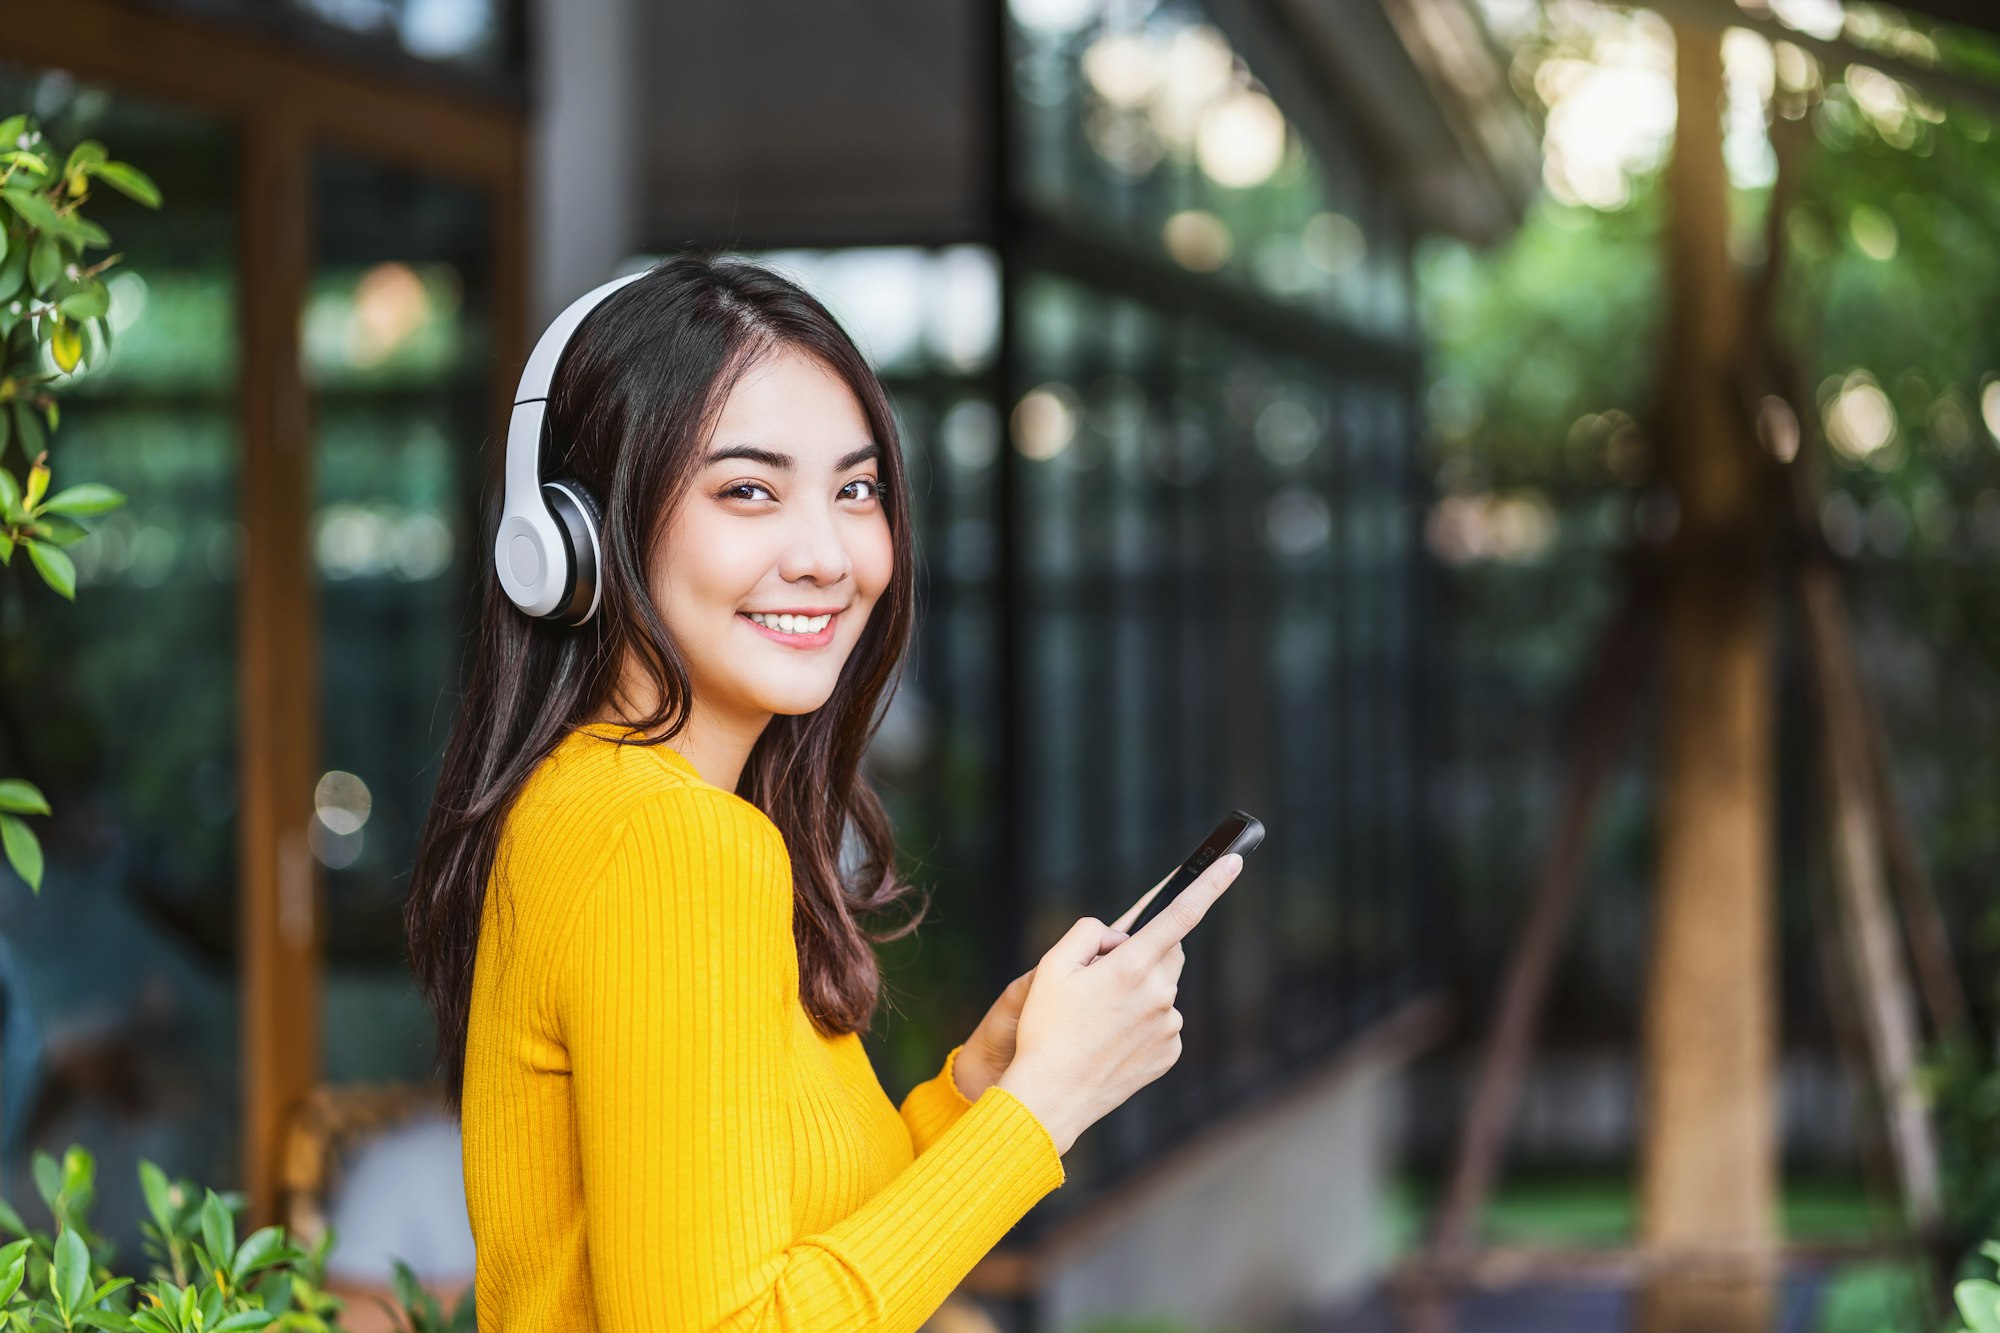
x,y
935,1105
673,993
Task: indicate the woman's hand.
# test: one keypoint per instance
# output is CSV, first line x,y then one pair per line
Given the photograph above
x,y
990,1049
1090,1037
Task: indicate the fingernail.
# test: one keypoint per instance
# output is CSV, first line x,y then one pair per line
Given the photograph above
x,y
1235,860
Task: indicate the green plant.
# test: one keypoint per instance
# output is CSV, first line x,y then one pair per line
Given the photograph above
x,y
1978,1299
201,1278
54,305
421,1313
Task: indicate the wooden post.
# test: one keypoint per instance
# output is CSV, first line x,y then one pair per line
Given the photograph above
x,y
278,661
1708,1162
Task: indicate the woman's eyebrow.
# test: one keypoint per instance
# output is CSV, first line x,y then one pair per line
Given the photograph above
x,y
783,462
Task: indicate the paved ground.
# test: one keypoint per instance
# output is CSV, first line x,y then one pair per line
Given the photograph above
x,y
1561,1309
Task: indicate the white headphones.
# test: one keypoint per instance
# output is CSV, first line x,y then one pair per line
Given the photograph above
x,y
546,551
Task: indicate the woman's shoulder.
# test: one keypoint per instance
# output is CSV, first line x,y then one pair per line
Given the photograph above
x,y
594,792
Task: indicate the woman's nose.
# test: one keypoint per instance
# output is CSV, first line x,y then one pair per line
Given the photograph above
x,y
818,550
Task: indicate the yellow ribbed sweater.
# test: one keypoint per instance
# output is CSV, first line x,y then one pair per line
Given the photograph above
x,y
655,1134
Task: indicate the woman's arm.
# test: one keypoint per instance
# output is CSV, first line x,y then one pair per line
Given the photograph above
x,y
672,992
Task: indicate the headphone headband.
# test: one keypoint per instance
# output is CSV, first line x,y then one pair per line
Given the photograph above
x,y
538,566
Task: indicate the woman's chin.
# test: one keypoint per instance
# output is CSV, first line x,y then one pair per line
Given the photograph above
x,y
794,700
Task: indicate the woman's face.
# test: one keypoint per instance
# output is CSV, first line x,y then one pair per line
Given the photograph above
x,y
781,519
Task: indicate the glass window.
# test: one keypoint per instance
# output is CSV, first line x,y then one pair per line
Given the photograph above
x,y
398,360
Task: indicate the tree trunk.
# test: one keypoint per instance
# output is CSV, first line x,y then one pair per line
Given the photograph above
x,y
1708,1160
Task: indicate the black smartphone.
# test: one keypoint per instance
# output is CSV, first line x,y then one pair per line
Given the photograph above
x,y
1238,832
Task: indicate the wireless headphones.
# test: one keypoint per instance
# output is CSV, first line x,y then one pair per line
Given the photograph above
x,y
547,551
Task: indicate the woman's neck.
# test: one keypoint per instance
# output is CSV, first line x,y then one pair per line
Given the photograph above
x,y
718,745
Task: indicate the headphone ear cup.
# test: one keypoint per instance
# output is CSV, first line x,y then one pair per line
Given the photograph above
x,y
581,519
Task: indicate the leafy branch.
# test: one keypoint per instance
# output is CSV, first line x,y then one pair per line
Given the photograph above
x,y
51,297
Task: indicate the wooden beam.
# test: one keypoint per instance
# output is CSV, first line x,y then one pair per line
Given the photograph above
x,y
1623,660
140,49
280,943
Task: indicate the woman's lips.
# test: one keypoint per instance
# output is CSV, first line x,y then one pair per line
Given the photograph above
x,y
819,640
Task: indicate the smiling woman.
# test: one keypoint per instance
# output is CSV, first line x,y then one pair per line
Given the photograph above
x,y
627,911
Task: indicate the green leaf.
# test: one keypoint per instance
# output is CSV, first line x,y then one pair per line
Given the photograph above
x,y
245,1319
146,1321
12,128
84,232
11,1221
109,1320
218,1230
24,850
113,1285
28,429
85,498
259,1249
22,798
34,210
13,271
48,1175
88,302
60,529
13,1268
128,179
56,568
86,154
1979,1303
72,1278
159,1195
45,263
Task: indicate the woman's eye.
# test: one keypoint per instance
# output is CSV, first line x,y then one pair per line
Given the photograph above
x,y
874,487
731,492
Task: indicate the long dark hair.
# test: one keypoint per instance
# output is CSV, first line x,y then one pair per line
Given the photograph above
x,y
634,399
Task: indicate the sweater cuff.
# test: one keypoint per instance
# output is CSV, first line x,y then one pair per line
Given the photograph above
x,y
934,1105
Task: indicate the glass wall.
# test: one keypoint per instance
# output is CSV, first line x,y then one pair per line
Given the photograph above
x,y
1219,581
1216,538
122,707
398,360
1142,121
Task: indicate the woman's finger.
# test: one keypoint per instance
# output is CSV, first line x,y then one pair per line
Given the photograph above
x,y
1131,914
1172,923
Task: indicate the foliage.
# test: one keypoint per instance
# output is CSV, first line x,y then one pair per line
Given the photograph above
x,y
1978,1299
54,308
419,1311
202,1278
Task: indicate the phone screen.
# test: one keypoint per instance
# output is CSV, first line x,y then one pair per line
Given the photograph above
x,y
1238,832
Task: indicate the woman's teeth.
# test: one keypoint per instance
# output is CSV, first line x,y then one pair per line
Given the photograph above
x,y
792,624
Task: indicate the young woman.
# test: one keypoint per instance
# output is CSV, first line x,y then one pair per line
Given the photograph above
x,y
631,913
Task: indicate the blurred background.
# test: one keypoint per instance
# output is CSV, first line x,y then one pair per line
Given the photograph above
x,y
1540,456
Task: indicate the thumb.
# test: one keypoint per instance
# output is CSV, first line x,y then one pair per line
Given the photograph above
x,y
1080,943
1111,938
